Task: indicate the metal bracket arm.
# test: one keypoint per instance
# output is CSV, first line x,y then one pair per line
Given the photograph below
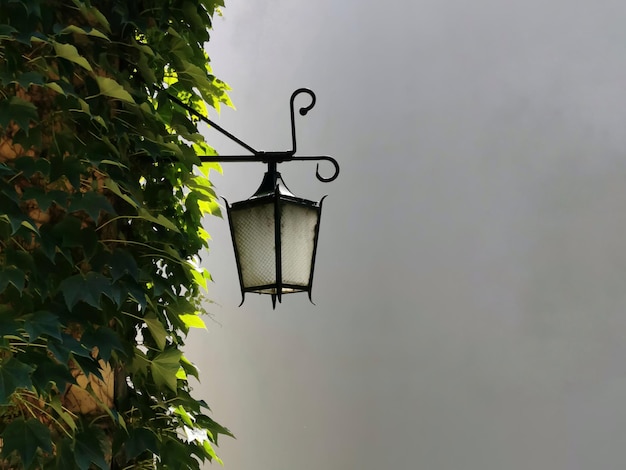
x,y
260,155
277,157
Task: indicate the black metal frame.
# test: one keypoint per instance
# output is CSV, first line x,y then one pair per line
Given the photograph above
x,y
272,189
260,156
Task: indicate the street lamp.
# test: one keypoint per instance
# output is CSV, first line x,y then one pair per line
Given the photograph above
x,y
274,232
275,239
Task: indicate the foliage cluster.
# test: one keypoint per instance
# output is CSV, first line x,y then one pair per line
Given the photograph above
x,y
100,232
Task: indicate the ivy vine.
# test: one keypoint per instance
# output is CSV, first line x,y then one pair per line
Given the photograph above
x,y
102,196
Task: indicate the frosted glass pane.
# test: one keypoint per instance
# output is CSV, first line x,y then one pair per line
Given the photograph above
x,y
274,290
253,232
297,225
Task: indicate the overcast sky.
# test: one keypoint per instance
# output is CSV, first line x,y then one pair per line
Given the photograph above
x,y
471,273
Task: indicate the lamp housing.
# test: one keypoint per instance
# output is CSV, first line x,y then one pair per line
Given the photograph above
x,y
275,237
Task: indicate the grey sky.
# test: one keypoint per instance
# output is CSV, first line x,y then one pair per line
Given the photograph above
x,y
471,273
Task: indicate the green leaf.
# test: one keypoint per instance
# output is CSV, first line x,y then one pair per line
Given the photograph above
x,y
189,368
32,7
7,31
13,374
178,46
192,320
65,454
8,325
45,198
57,406
109,87
89,365
25,437
68,167
115,189
91,13
122,262
88,450
210,452
69,52
206,167
20,259
31,78
72,169
87,289
201,277
25,165
176,455
134,290
144,67
190,12
105,339
164,368
42,323
68,231
156,330
18,110
110,162
12,275
212,426
159,220
86,31
92,203
17,220
184,416
67,347
6,170
139,441
49,371
56,87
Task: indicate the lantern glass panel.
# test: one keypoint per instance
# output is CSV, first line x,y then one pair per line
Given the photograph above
x,y
298,225
253,233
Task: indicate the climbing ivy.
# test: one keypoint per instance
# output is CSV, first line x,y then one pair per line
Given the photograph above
x,y
101,200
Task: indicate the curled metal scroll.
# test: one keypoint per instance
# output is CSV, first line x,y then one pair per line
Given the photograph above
x,y
303,112
327,158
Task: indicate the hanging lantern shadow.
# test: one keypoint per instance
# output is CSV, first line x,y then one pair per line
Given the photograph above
x,y
274,232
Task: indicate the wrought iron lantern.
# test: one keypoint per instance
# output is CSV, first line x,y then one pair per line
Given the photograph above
x,y
274,232
275,239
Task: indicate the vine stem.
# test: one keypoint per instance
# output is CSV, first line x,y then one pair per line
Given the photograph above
x,y
26,404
